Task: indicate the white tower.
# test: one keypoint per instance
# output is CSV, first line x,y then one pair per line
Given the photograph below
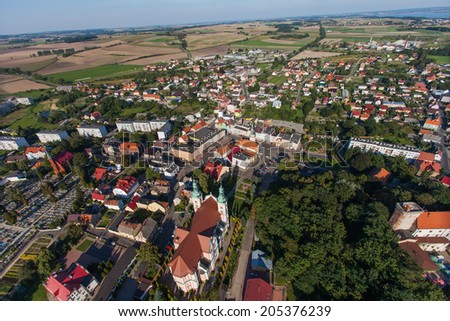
x,y
222,206
197,199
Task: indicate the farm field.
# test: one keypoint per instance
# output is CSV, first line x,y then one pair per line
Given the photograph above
x,y
156,59
315,54
266,42
20,85
97,72
200,41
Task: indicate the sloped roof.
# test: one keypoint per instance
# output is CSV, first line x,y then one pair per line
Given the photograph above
x,y
62,284
258,290
418,255
192,244
260,261
434,220
424,156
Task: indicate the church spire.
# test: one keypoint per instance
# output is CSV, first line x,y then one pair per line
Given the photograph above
x,y
195,192
221,199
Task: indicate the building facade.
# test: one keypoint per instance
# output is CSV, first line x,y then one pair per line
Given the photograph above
x,y
12,143
197,248
92,131
49,136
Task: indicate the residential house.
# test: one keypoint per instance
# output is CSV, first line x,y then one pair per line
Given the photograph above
x,y
112,204
34,153
61,163
380,175
74,284
126,186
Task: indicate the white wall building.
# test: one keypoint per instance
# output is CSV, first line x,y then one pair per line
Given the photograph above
x,y
12,143
92,131
367,145
49,136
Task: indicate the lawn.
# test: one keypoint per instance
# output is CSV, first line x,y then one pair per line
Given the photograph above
x,y
40,294
106,219
277,80
442,60
128,112
105,71
83,247
26,117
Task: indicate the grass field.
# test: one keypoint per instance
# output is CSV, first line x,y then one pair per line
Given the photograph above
x,y
161,39
83,247
442,60
132,111
105,71
277,80
26,117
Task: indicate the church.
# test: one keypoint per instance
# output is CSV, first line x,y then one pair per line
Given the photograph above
x,y
197,248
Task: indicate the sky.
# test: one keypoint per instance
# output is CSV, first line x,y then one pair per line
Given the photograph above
x,y
27,16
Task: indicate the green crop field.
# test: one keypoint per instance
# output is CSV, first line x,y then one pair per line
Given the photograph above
x,y
260,43
442,60
26,117
161,39
105,71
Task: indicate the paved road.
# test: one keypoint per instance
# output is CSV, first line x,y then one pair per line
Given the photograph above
x,y
237,286
108,283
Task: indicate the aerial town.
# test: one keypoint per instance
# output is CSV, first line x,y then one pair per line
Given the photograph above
x,y
295,161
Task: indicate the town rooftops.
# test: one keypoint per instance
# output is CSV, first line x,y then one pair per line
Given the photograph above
x,y
433,220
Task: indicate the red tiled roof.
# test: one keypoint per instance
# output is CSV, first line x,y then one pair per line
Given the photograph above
x,y
61,285
258,290
189,251
433,220
418,255
126,183
424,156
446,180
99,173
34,150
63,157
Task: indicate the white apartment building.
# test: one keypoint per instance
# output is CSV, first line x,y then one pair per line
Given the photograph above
x,y
12,143
49,136
366,145
92,131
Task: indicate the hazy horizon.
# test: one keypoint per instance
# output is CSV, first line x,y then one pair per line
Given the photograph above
x,y
27,16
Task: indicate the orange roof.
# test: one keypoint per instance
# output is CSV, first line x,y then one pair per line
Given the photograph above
x,y
247,144
192,245
222,150
34,150
435,122
424,156
433,220
427,166
381,174
199,125
129,147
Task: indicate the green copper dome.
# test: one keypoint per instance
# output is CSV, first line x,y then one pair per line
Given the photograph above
x,y
221,199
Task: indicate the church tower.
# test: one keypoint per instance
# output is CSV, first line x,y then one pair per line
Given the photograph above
x,y
222,205
196,196
252,133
